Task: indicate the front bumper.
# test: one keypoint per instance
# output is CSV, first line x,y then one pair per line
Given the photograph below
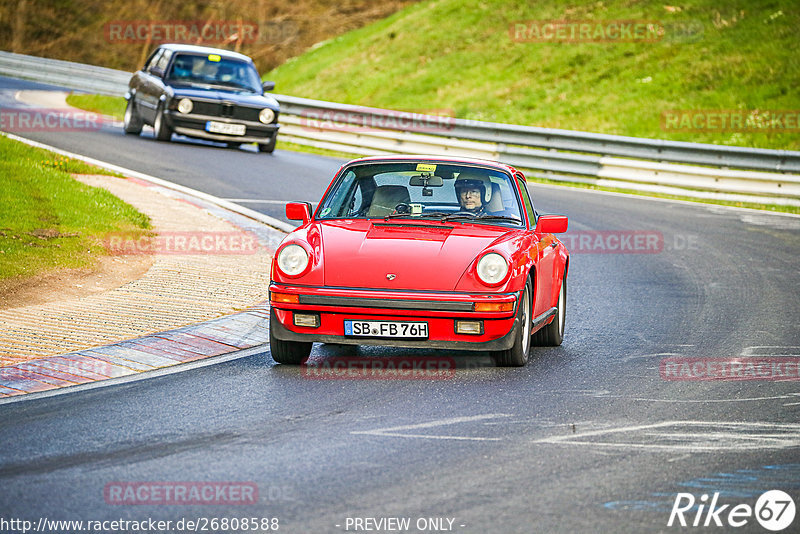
x,y
193,125
439,310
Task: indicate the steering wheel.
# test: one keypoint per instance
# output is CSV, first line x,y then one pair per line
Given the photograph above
x,y
463,212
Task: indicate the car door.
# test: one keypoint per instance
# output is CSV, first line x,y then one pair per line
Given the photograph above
x,y
543,253
152,87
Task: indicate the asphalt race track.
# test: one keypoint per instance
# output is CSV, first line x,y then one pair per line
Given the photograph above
x,y
592,436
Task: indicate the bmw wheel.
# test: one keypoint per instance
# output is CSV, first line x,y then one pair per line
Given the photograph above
x,y
269,148
161,130
132,123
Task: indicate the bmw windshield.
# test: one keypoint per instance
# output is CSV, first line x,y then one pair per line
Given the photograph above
x,y
214,71
413,190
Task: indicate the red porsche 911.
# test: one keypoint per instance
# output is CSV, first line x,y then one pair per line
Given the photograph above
x,y
421,251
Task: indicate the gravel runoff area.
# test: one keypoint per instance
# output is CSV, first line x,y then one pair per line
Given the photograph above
x,y
205,294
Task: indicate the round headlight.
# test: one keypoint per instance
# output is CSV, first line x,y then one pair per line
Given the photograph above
x,y
492,268
185,105
292,260
266,115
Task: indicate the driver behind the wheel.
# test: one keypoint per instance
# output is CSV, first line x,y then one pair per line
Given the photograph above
x,y
182,67
471,192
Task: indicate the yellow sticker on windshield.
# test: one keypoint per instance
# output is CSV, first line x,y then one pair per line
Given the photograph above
x,y
424,167
214,57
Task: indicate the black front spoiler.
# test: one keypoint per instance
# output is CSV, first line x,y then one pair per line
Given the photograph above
x,y
504,343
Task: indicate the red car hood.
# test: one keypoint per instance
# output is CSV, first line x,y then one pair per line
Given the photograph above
x,y
421,256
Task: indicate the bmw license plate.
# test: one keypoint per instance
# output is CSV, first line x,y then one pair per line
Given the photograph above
x,y
225,128
390,329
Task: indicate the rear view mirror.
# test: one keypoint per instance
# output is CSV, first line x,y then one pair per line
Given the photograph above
x,y
426,180
298,211
551,224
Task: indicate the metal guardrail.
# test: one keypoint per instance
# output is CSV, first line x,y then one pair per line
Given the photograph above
x,y
689,169
507,135
79,76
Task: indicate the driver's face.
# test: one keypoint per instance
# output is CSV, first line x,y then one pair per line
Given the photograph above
x,y
470,198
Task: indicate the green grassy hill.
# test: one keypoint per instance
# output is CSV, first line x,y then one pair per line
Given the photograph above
x,y
459,55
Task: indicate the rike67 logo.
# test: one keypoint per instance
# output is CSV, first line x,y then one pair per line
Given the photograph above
x,y
774,511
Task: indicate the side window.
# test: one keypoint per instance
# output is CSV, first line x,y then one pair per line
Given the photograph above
x,y
153,60
527,200
163,61
338,201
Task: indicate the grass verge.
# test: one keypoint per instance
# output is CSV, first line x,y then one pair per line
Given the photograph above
x,y
480,59
113,106
49,220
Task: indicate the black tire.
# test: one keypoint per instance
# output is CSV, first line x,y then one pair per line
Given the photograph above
x,y
232,144
268,148
553,334
132,122
519,353
289,352
161,130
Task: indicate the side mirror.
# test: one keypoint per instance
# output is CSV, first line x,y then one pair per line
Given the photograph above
x,y
298,211
268,86
551,224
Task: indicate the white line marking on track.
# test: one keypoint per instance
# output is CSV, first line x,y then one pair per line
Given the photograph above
x,y
771,350
699,436
393,431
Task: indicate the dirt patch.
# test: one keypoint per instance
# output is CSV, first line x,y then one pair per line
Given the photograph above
x,y
111,272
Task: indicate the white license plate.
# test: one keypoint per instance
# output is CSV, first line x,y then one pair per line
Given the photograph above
x,y
225,128
386,329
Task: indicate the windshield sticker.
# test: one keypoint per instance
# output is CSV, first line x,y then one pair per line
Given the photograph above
x,y
214,57
424,167
325,212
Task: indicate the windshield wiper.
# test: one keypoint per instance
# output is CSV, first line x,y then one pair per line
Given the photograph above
x,y
490,217
454,216
236,85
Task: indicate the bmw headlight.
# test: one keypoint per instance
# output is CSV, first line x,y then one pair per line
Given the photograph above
x,y
266,116
492,268
185,106
292,260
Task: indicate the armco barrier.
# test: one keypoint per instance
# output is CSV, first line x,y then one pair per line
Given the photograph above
x,y
689,169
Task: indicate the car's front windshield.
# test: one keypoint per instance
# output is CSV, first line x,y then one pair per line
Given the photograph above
x,y
419,190
213,70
